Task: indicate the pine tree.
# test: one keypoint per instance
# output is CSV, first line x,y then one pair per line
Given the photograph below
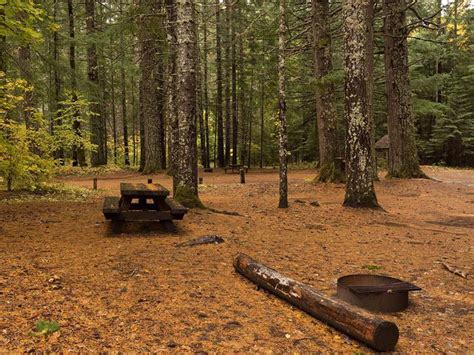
x,y
359,186
186,166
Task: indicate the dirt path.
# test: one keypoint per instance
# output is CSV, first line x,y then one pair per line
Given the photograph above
x,y
137,291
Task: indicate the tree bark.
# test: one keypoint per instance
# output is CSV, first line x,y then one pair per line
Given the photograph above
x,y
228,80
78,154
359,165
354,321
186,189
243,112
59,154
403,157
219,109
200,96
171,92
99,155
113,109
329,170
250,121
124,93
151,36
235,103
283,137
205,103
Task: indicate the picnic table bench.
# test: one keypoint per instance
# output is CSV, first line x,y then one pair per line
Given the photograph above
x,y
142,202
234,167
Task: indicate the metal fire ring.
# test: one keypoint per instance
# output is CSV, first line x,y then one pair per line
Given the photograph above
x,y
375,292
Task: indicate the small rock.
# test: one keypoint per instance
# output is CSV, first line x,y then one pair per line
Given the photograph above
x,y
314,204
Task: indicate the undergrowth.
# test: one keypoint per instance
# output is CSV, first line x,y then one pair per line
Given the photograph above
x,y
49,192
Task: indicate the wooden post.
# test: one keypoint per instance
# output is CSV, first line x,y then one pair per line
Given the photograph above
x,y
356,322
200,180
242,176
94,183
150,181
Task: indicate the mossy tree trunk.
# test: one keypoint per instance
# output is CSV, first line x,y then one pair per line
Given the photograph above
x,y
171,89
326,114
283,136
186,99
359,164
403,157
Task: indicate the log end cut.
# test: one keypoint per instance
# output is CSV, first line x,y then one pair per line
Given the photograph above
x,y
385,336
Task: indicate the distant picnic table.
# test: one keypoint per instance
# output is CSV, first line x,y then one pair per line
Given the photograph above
x,y
235,167
142,202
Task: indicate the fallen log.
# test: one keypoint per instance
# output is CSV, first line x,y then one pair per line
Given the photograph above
x,y
356,322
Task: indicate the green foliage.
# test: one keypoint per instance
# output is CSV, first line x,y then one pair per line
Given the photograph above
x,y
74,108
372,267
51,192
441,78
25,152
19,20
45,328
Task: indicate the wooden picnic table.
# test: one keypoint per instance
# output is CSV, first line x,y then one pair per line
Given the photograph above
x,y
142,202
234,167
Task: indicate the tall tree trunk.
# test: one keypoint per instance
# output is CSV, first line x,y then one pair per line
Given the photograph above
x,y
78,154
403,156
59,154
359,186
235,103
329,170
99,155
242,115
250,120
262,121
171,91
134,122
186,189
141,123
205,88
152,81
370,80
200,96
219,109
123,93
283,137
113,109
228,81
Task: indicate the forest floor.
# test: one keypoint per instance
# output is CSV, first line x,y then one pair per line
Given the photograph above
x,y
139,291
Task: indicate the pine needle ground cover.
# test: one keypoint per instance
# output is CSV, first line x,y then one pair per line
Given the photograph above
x,y
137,291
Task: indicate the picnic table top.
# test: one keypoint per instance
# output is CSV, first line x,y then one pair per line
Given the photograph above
x,y
145,190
